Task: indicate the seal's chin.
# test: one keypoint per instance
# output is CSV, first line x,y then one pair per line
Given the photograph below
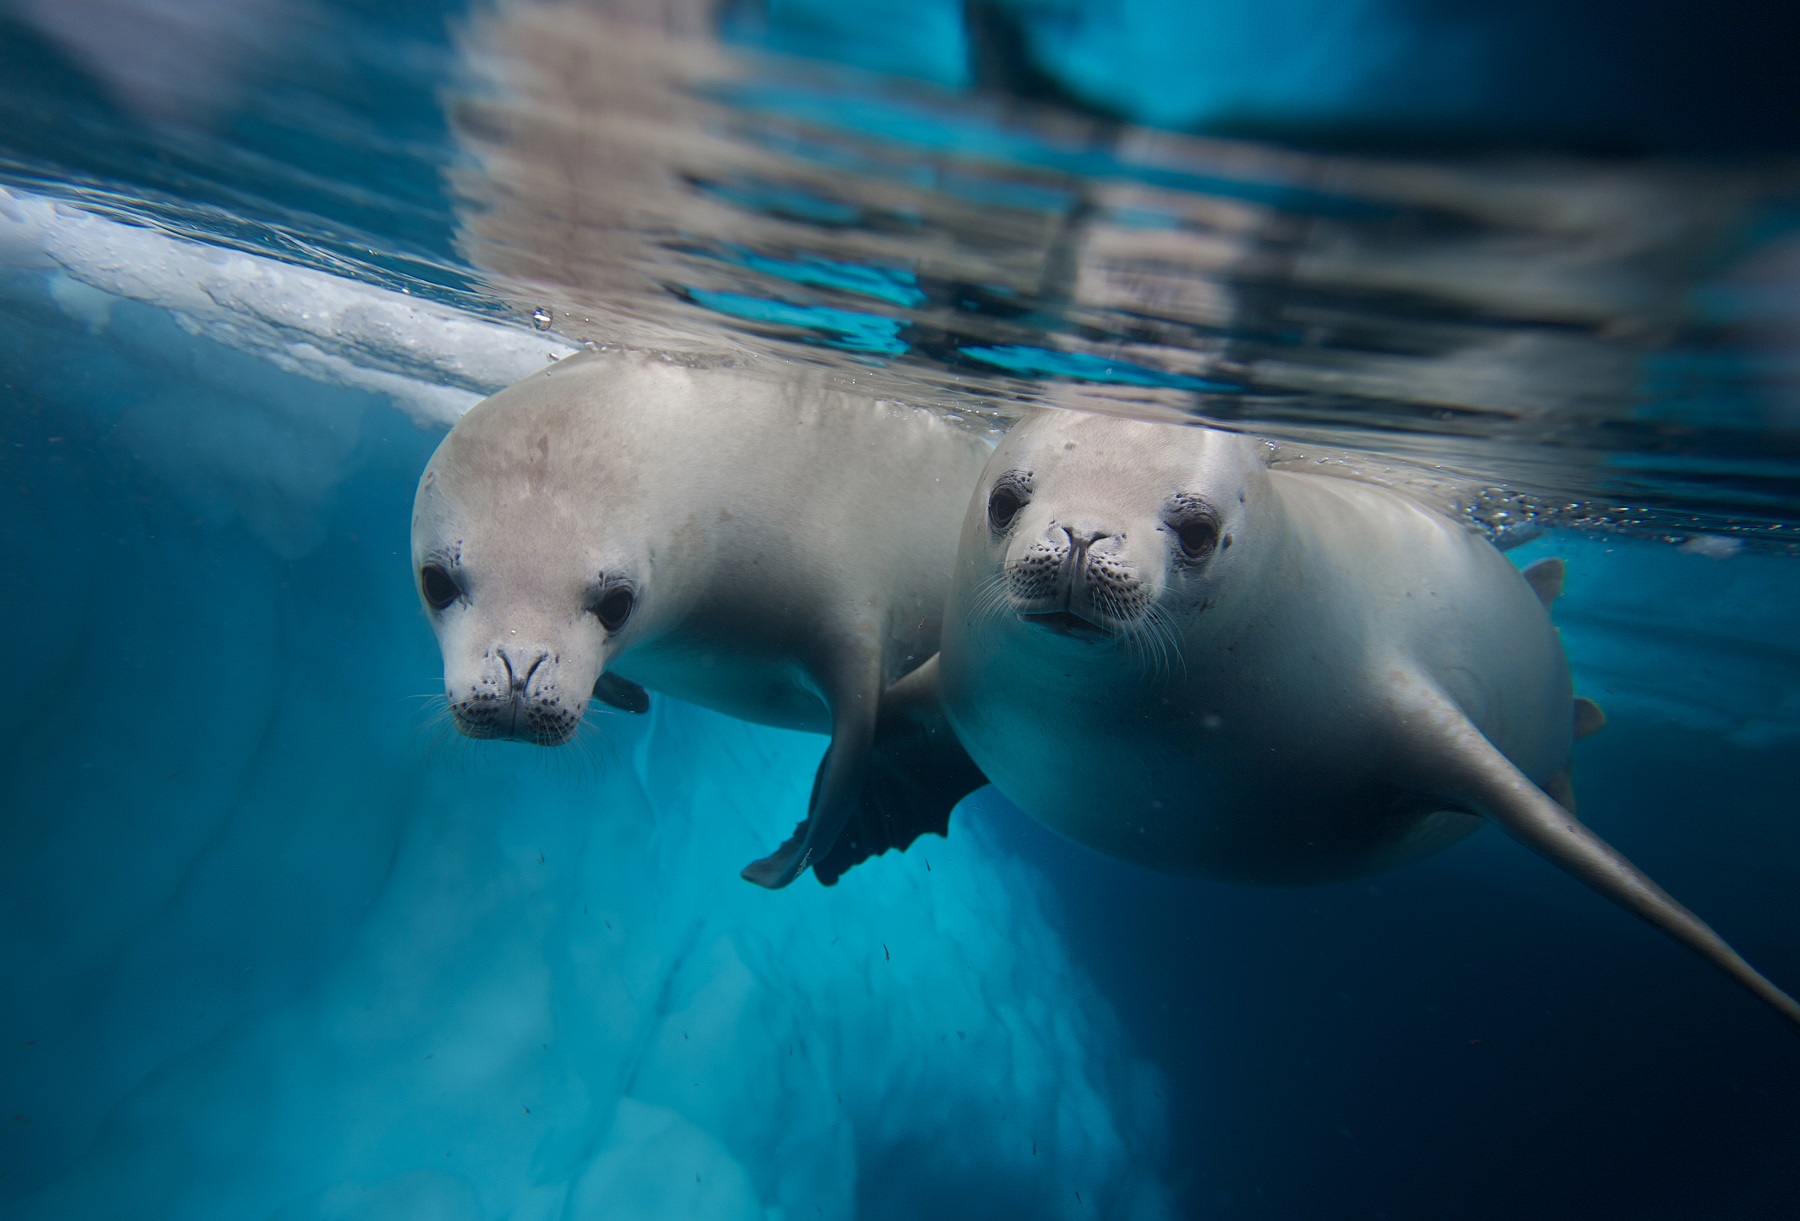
x,y
531,737
516,720
1066,623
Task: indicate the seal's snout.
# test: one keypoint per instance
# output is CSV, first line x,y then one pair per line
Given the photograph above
x,y
1077,579
517,693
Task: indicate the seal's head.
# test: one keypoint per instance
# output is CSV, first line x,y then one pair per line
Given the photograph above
x,y
1099,530
529,563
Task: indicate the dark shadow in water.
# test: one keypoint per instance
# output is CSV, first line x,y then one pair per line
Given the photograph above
x,y
1473,1037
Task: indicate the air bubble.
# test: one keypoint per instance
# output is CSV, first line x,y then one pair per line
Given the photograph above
x,y
540,318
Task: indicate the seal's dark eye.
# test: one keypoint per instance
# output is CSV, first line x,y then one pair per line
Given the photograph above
x,y
1004,504
439,588
614,607
1198,536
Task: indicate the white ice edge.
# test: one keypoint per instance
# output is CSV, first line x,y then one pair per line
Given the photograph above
x,y
433,361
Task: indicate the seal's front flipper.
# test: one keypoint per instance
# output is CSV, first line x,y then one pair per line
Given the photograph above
x,y
1546,579
621,693
917,772
1461,764
1590,719
836,790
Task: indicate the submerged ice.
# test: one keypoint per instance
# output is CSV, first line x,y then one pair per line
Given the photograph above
x,y
278,945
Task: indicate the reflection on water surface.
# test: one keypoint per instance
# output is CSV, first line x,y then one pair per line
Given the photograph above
x,y
1589,332
1596,342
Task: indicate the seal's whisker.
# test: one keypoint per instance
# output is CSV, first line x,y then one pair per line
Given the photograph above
x,y
990,599
598,745
1147,643
423,710
433,723
1135,645
549,762
1147,649
1177,644
583,754
1155,648
1156,620
447,747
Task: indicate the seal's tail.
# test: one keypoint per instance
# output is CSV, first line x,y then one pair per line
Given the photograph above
x,y
1455,759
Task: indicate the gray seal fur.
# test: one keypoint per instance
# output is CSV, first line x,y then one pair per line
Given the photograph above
x,y
1170,652
776,550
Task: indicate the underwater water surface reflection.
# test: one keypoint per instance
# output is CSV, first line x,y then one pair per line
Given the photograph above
x,y
1608,337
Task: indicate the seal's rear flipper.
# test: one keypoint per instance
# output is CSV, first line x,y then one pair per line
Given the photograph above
x,y
1463,764
918,771
621,693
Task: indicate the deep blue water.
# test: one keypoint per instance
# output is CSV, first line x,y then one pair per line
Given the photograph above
x,y
273,944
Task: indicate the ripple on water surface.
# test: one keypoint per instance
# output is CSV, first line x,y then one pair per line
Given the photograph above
x,y
1536,340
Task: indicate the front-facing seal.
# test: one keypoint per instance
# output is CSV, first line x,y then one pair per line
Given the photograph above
x,y
773,549
1172,653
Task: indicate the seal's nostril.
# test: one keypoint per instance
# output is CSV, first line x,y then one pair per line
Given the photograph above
x,y
1080,543
518,679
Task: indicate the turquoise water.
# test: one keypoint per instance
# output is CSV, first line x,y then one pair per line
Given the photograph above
x,y
274,945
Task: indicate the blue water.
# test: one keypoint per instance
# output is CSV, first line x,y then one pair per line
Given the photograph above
x,y
274,945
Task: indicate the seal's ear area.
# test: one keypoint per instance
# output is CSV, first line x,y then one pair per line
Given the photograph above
x,y
1546,579
1453,759
1590,718
917,772
837,789
622,694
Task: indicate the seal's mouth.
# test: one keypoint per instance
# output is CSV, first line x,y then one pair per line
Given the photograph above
x,y
531,737
514,720
1064,623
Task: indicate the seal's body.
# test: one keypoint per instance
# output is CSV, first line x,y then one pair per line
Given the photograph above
x,y
776,550
1171,653
1264,712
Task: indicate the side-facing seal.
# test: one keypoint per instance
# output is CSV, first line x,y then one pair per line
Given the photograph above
x,y
776,550
1172,653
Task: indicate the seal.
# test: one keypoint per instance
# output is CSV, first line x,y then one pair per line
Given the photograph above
x,y
1170,652
779,551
